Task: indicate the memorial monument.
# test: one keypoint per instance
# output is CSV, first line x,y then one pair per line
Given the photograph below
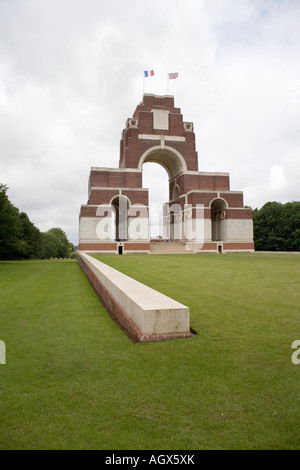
x,y
116,216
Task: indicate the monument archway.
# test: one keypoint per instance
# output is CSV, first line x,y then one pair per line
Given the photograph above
x,y
176,193
218,223
156,180
170,159
174,164
120,205
157,133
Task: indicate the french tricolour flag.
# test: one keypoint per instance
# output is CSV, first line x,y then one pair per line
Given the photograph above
x,y
149,73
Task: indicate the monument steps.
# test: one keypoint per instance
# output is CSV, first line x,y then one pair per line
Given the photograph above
x,y
171,247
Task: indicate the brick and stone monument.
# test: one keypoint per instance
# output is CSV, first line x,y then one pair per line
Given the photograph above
x,y
116,216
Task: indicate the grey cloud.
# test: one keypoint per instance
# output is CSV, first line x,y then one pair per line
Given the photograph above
x,y
71,73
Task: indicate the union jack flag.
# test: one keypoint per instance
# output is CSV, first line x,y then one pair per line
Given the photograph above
x,y
173,75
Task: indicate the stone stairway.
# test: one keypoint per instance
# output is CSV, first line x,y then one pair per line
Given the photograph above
x,y
163,247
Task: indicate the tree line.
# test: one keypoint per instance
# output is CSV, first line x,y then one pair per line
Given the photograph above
x,y
20,239
277,227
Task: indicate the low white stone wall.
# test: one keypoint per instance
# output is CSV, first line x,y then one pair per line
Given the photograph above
x,y
144,313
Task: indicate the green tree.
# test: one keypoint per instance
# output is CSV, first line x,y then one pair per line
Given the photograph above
x,y
31,238
12,244
19,238
55,244
62,242
277,227
49,246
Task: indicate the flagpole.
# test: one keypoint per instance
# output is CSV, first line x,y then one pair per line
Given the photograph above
x,y
143,83
167,83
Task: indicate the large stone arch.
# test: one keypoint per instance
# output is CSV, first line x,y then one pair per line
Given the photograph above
x,y
169,158
157,133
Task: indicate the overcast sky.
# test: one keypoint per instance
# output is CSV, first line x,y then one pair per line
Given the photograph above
x,y
71,73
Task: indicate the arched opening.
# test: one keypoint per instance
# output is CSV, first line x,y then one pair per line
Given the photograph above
x,y
120,205
218,215
167,157
155,178
176,193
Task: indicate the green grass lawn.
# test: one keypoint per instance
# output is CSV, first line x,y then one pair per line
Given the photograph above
x,y
73,380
